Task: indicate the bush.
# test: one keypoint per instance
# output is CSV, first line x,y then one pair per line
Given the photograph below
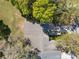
x,y
4,30
69,41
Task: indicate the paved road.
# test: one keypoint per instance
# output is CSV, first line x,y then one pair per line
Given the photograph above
x,y
50,55
41,41
35,33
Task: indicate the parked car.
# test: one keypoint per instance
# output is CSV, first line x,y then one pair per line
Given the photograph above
x,y
52,30
45,27
63,29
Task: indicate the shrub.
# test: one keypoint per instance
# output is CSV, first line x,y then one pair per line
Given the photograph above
x,y
70,42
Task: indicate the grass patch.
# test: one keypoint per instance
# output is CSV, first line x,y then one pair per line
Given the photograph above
x,y
10,16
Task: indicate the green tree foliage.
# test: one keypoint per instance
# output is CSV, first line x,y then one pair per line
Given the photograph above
x,y
58,11
43,10
62,15
66,12
22,5
73,8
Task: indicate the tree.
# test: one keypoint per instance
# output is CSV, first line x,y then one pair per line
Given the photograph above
x,y
22,5
25,7
43,10
61,15
66,12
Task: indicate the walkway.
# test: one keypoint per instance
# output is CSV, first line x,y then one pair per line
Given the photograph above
x,y
41,41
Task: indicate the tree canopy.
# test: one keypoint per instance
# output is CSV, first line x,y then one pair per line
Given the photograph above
x,y
22,5
46,11
43,10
